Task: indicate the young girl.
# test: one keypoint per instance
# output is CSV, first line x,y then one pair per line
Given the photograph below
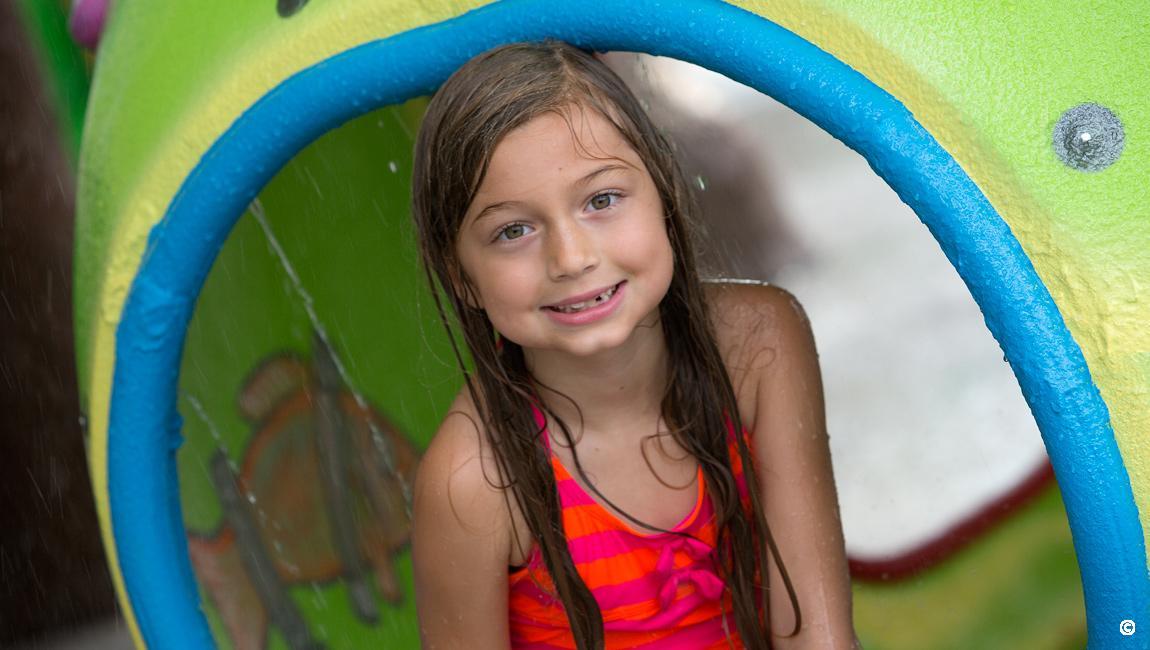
x,y
587,489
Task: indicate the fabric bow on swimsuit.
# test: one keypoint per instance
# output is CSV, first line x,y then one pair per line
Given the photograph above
x,y
706,582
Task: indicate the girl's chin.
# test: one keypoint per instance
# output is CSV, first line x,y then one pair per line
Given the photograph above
x,y
590,345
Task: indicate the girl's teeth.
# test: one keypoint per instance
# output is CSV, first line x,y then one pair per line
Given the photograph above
x,y
580,306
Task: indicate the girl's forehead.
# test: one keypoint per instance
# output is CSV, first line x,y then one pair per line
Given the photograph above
x,y
567,136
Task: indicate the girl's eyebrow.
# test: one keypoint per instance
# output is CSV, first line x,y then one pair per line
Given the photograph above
x,y
610,167
493,208
499,205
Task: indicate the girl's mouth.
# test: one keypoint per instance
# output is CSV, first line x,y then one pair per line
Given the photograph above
x,y
588,310
580,306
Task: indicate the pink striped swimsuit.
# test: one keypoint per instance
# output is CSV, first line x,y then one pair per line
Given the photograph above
x,y
656,591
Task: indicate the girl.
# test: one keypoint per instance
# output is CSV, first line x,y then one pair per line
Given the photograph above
x,y
588,488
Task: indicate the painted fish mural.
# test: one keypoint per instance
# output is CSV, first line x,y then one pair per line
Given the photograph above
x,y
322,494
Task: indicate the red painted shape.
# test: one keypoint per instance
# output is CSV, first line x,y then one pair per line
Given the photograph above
x,y
957,537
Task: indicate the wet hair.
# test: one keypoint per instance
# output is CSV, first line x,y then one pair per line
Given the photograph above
x,y
491,95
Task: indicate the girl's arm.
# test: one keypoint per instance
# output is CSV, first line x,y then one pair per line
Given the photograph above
x,y
460,542
780,378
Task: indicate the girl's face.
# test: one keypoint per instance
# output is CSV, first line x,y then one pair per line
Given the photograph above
x,y
565,244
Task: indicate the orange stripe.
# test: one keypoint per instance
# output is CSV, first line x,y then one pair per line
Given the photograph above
x,y
626,567
652,607
584,520
627,639
631,639
620,568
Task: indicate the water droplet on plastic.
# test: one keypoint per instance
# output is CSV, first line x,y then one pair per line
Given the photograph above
x,y
1089,137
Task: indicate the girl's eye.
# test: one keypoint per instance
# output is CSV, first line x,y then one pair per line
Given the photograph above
x,y
511,231
603,201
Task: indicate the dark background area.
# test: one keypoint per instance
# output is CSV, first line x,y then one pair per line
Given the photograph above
x,y
53,575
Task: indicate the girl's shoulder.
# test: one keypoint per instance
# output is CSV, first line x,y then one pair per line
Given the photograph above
x,y
460,537
753,323
458,472
760,309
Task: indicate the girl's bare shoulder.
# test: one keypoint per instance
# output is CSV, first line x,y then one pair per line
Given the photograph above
x,y
460,538
739,308
753,324
458,471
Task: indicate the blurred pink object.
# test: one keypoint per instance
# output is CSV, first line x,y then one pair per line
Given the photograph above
x,y
87,21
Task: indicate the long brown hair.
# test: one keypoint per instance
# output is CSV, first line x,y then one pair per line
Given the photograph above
x,y
481,103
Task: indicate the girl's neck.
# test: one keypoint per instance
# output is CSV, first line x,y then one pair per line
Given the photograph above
x,y
614,386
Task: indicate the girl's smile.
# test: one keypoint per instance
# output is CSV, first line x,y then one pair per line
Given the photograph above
x,y
588,307
565,245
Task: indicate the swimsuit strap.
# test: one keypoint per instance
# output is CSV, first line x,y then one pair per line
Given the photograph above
x,y
541,422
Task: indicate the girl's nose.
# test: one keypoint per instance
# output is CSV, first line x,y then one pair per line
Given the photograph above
x,y
572,252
